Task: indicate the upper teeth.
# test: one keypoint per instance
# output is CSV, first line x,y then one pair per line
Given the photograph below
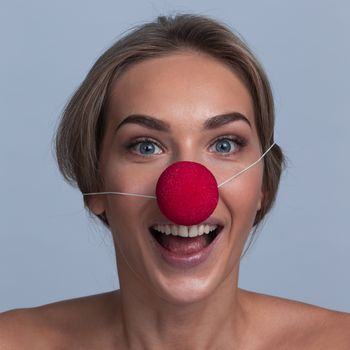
x,y
185,231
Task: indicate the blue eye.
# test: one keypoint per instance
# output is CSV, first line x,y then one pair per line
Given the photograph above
x,y
145,148
227,145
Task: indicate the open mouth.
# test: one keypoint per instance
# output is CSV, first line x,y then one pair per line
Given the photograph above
x,y
185,240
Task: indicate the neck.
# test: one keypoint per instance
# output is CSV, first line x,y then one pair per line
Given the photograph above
x,y
151,322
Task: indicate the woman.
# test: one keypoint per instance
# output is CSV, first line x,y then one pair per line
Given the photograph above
x,y
177,90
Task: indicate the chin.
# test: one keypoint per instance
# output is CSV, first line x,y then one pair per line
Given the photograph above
x,y
181,288
186,291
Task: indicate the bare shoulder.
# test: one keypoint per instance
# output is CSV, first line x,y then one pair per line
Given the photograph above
x,y
55,325
291,324
24,329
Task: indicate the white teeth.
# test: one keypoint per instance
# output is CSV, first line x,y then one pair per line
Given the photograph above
x,y
174,230
193,231
201,230
167,229
185,231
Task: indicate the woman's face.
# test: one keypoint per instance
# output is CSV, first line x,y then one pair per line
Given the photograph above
x,y
183,91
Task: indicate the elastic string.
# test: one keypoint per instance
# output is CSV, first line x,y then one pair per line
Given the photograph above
x,y
123,193
247,168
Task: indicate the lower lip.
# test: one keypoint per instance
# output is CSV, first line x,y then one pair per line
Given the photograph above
x,y
187,261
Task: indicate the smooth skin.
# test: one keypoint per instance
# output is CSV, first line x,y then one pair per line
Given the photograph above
x,y
159,306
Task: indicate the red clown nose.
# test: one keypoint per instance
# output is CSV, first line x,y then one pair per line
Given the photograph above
x,y
187,193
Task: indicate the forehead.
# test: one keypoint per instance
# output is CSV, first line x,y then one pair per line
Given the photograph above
x,y
183,84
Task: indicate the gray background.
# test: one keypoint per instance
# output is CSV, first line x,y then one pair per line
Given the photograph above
x,y
50,250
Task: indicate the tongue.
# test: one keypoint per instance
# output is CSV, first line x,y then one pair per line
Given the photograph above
x,y
184,245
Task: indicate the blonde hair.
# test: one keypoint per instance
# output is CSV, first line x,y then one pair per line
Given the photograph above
x,y
81,129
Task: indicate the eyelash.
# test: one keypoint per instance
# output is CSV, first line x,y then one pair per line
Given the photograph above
x,y
239,141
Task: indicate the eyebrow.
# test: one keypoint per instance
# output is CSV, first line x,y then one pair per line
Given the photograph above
x,y
160,125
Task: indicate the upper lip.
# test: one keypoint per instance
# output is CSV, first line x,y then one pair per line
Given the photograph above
x,y
209,221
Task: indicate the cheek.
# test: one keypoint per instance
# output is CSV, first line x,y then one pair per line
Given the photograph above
x,y
127,213
123,176
243,198
127,218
